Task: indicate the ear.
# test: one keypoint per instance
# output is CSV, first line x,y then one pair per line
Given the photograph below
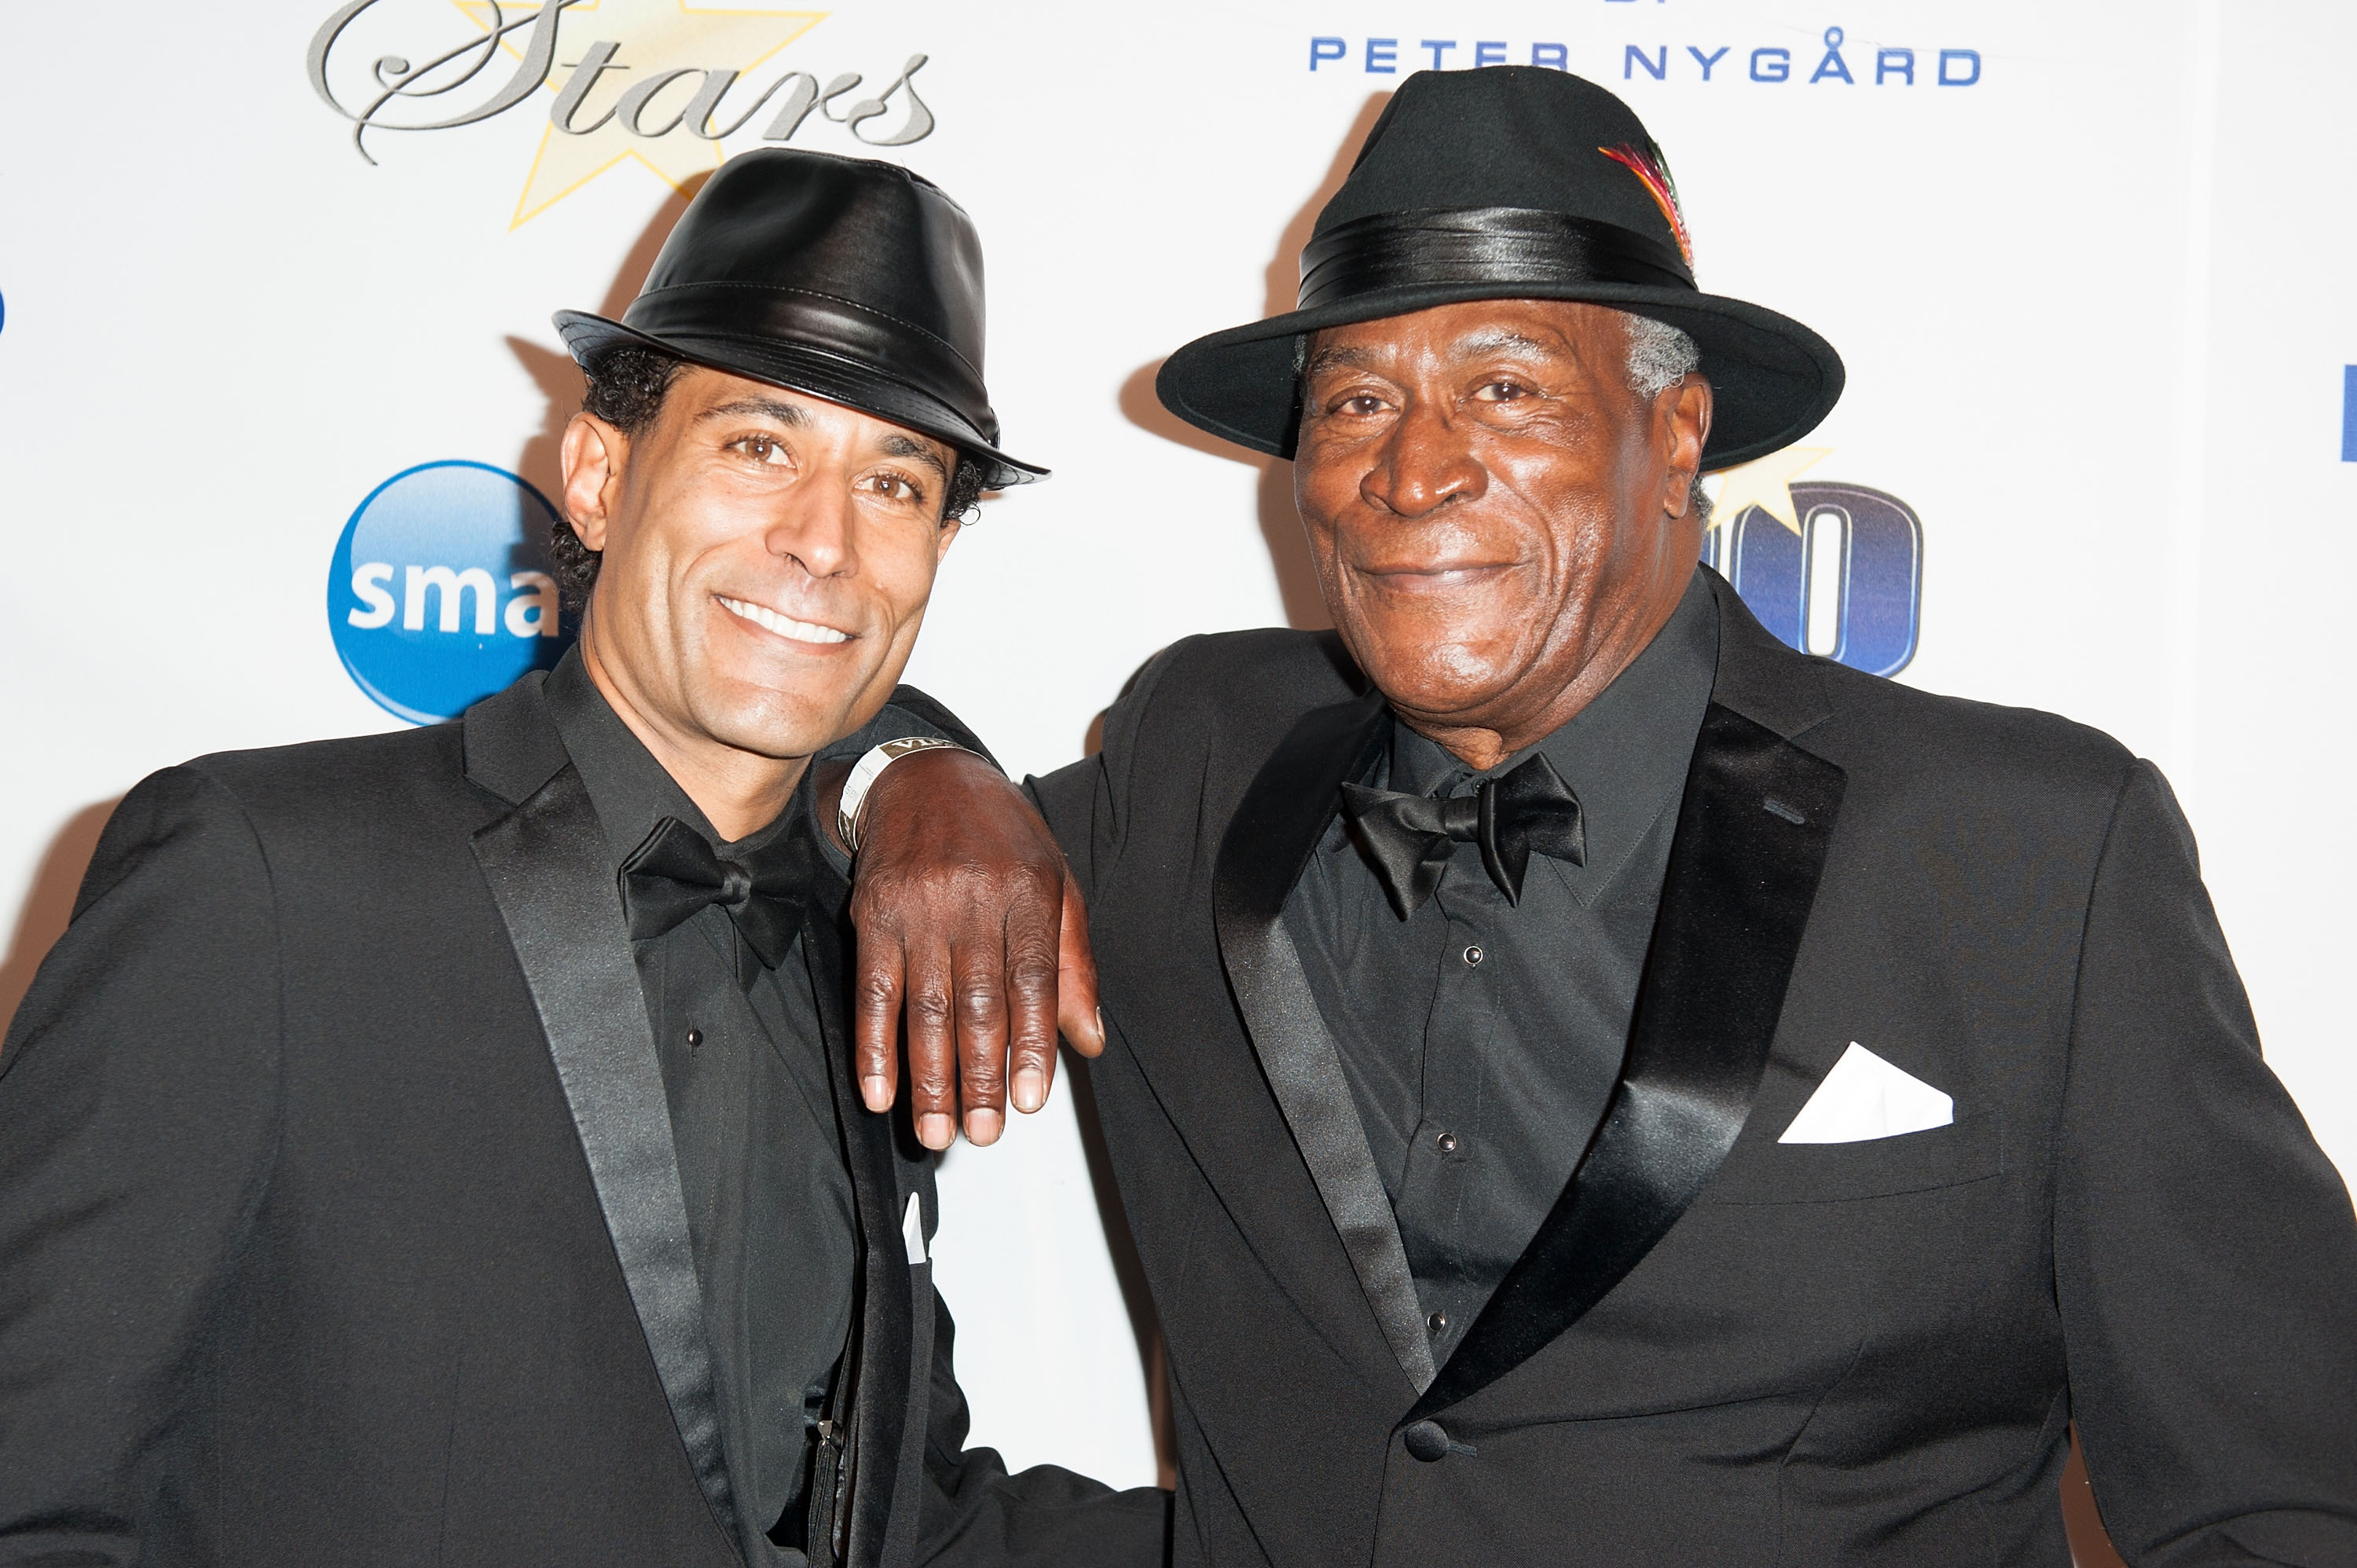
x,y
594,452
950,528
1682,426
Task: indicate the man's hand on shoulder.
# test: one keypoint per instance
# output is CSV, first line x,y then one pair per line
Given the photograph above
x,y
968,922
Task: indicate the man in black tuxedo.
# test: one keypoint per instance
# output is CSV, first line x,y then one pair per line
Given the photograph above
x,y
445,1146
1591,1084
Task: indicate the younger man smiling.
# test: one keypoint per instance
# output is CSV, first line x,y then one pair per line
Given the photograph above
x,y
443,1145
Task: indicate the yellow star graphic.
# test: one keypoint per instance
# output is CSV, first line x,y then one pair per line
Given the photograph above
x,y
696,48
1766,483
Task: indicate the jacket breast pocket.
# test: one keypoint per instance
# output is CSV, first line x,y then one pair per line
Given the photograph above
x,y
1763,1171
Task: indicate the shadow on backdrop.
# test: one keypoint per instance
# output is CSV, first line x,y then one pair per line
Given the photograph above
x,y
552,370
50,905
1280,522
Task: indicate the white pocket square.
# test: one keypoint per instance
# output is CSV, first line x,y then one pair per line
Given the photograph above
x,y
1864,1097
912,1230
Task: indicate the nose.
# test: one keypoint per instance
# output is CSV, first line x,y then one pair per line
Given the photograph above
x,y
816,530
1425,464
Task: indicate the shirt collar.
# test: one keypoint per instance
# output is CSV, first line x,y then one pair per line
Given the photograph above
x,y
1624,755
632,792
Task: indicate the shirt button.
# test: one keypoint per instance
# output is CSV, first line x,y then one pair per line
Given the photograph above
x,y
1447,1142
1437,1322
694,1038
1473,955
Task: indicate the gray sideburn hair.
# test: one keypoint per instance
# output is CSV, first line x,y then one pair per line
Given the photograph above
x,y
1659,354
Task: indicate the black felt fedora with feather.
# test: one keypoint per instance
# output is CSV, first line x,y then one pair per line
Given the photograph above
x,y
1512,182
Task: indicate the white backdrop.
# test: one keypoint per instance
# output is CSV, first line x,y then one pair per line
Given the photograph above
x,y
2096,303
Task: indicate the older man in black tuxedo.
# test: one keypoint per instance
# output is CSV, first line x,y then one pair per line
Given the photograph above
x,y
1591,1084
445,1146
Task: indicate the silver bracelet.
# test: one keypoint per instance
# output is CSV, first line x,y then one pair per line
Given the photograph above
x,y
871,767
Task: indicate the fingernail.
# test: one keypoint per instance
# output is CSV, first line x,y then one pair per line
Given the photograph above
x,y
876,1091
982,1126
1100,1023
1030,1090
935,1130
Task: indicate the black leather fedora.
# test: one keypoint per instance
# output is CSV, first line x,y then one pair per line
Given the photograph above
x,y
1510,182
849,279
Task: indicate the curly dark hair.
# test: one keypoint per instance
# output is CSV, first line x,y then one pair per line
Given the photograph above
x,y
628,384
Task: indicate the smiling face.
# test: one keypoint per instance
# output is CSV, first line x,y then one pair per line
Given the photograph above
x,y
766,559
1501,524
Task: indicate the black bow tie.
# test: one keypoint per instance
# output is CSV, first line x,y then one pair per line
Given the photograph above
x,y
676,873
1411,837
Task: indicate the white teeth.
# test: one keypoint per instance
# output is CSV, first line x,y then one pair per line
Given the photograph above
x,y
800,631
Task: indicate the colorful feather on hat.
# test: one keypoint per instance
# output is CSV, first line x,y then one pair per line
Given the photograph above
x,y
1649,166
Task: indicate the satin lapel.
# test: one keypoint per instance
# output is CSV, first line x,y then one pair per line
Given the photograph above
x,y
1283,815
549,873
885,1445
1751,839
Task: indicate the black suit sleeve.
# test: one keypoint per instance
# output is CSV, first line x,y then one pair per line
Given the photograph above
x,y
2205,1255
1074,799
1086,802
978,1515
138,1108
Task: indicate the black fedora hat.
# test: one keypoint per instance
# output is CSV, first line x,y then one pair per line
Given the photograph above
x,y
849,279
1510,182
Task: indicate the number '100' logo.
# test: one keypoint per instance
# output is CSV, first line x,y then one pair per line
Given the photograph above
x,y
1849,585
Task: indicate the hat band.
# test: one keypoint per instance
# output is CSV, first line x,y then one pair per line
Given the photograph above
x,y
1480,246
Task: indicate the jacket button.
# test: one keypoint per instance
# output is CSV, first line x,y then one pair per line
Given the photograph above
x,y
1427,1441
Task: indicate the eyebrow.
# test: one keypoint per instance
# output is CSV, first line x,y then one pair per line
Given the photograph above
x,y
1489,340
1472,346
1338,358
794,416
786,414
895,445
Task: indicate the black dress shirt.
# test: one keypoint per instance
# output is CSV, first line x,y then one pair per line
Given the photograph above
x,y
760,1158
1480,1038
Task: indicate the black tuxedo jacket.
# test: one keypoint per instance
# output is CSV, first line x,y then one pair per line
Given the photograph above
x,y
1720,1348
340,1220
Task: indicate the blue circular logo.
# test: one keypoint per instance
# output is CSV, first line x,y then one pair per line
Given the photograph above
x,y
441,591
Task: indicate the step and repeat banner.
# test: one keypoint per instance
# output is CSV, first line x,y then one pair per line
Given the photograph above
x,y
280,400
